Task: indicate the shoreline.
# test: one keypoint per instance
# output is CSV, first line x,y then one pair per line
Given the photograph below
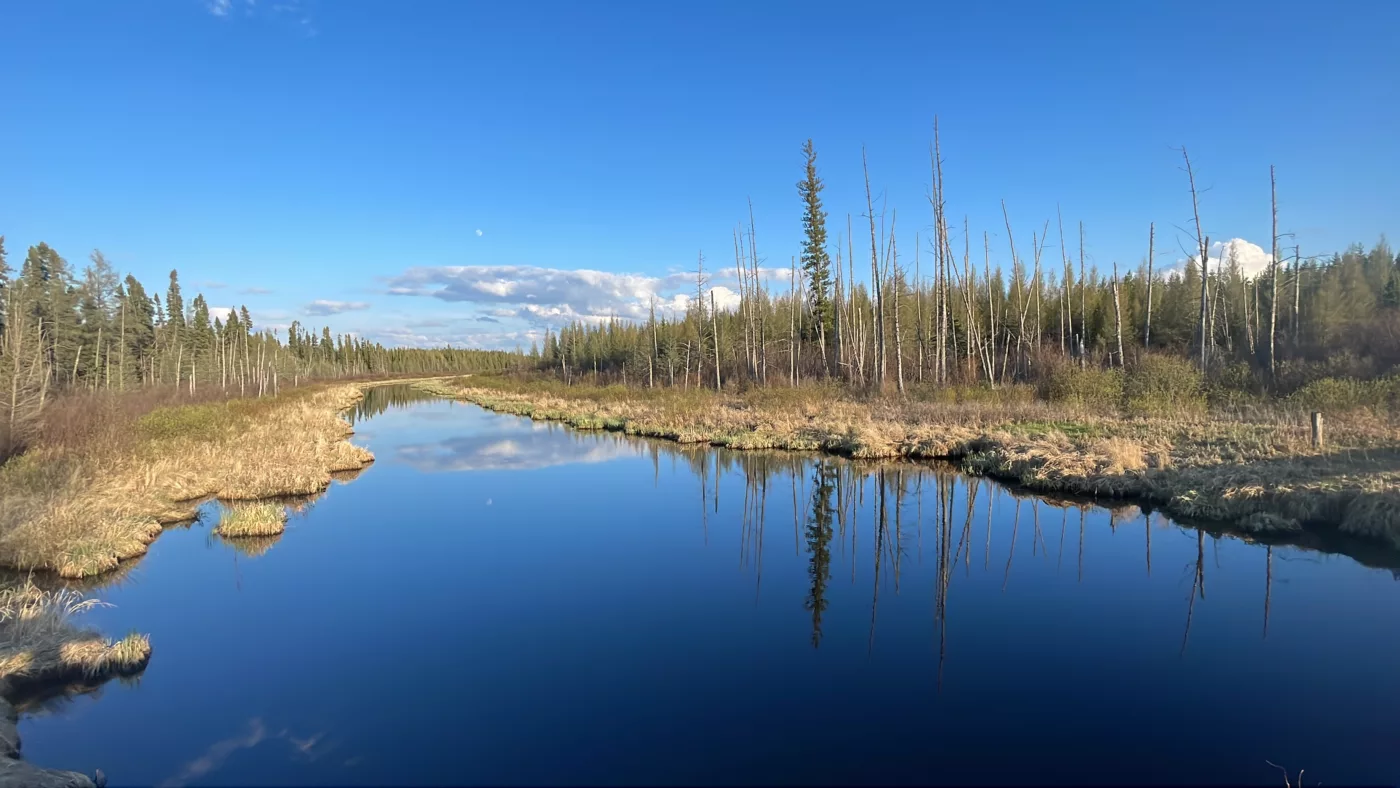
x,y
1275,488
253,453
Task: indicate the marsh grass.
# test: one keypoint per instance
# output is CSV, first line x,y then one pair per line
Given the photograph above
x,y
1172,456
241,520
81,509
40,644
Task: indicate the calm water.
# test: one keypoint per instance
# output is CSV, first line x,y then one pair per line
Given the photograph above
x,y
497,601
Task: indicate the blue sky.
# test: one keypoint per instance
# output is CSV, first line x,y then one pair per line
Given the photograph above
x,y
348,156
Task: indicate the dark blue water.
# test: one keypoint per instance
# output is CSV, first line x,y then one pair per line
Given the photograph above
x,y
498,601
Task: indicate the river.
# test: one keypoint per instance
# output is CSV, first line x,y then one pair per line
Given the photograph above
x,y
506,602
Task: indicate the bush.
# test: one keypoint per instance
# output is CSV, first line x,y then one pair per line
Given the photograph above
x,y
1163,387
1099,389
1347,394
1235,387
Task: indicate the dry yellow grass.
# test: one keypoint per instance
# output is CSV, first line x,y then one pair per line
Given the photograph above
x,y
242,520
39,642
1263,475
82,515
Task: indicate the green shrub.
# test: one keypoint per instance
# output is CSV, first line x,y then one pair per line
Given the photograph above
x,y
1233,387
1347,394
1092,387
188,421
1163,387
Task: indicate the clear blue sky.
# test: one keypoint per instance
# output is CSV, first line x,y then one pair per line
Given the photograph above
x,y
322,150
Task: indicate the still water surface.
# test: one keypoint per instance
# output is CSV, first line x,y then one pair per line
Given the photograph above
x,y
500,601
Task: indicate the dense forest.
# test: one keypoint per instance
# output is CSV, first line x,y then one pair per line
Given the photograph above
x,y
865,311
62,332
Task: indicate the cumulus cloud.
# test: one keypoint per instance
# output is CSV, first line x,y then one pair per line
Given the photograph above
x,y
479,233
220,7
1251,258
553,296
223,313
321,307
407,336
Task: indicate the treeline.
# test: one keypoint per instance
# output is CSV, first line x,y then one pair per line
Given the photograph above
x,y
62,331
865,311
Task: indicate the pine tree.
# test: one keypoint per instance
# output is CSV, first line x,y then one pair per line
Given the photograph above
x,y
200,330
137,329
174,303
816,262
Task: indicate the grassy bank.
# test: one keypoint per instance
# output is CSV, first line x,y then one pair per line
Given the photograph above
x,y
79,510
43,653
1259,475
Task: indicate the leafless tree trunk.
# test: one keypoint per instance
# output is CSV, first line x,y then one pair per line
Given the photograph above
x,y
898,336
792,323
1147,326
918,316
1118,315
1297,293
991,311
1273,274
1083,301
1204,246
879,323
714,329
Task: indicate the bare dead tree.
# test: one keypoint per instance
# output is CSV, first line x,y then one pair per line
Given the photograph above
x,y
1118,315
1273,273
878,322
1147,326
1204,246
898,336
714,329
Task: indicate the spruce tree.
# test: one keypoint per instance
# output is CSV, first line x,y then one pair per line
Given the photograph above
x,y
815,260
174,303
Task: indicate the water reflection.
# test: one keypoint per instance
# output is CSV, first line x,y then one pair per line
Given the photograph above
x,y
306,749
516,446
829,499
379,399
601,610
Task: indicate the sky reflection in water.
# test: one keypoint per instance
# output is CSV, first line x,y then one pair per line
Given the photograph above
x,y
496,601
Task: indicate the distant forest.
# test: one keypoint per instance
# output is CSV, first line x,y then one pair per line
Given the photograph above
x,y
865,311
65,332
858,310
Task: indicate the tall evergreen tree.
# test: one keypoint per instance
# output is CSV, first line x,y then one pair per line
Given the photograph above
x,y
816,262
174,303
200,330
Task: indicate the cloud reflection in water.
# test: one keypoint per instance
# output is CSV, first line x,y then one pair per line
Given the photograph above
x,y
516,449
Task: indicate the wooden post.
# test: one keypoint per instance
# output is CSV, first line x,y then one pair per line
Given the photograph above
x,y
1317,429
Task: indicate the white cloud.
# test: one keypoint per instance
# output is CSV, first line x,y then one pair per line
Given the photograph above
x,y
222,312
255,291
321,307
1251,258
479,233
553,296
409,335
220,7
